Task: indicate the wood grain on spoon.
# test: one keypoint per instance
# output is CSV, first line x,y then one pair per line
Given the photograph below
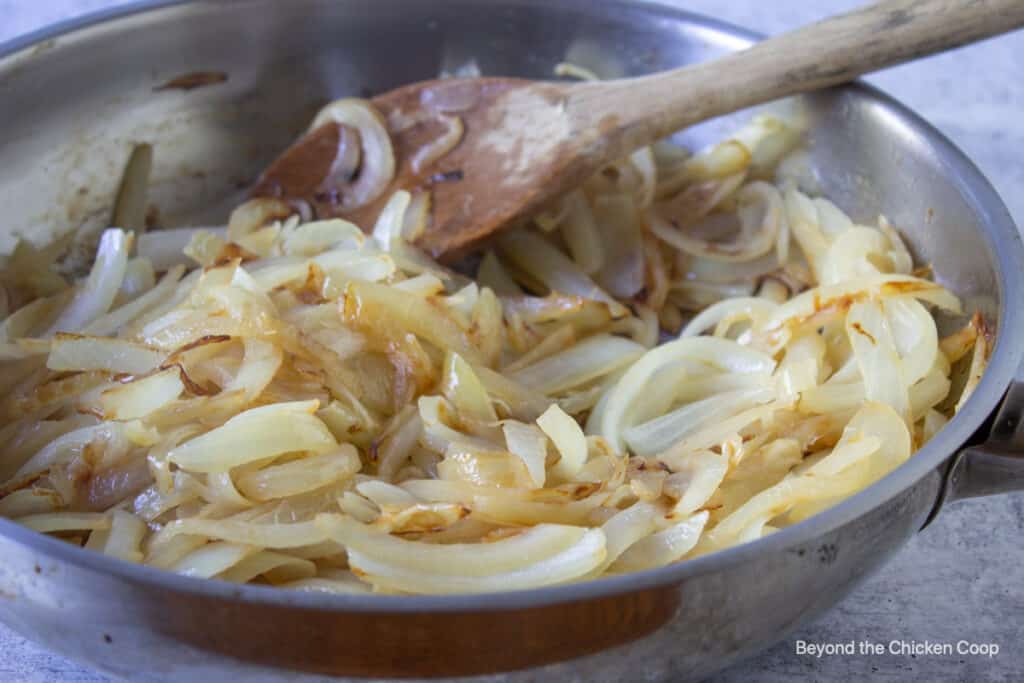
x,y
525,143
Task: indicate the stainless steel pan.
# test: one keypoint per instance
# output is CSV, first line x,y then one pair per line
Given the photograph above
x,y
75,97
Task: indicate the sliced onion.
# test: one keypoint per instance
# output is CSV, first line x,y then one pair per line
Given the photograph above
x,y
299,476
384,495
31,318
138,279
342,582
718,161
74,352
543,555
643,161
375,305
124,315
398,442
627,527
529,444
377,167
211,559
539,258
112,435
874,443
898,254
461,386
979,360
854,253
697,474
579,228
435,413
310,239
722,353
567,69
30,501
518,400
618,221
340,266
802,218
655,436
99,290
568,438
733,309
487,466
715,433
439,147
260,363
277,566
141,397
50,522
914,334
166,248
664,547
934,421
124,538
802,366
592,358
494,276
761,215
257,534
804,305
880,365
253,435
388,228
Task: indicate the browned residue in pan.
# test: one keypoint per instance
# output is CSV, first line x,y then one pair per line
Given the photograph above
x,y
193,80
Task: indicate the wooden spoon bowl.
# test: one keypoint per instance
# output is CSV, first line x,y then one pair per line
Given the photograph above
x,y
524,143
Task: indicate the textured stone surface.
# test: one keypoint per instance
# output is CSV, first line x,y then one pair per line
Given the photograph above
x,y
958,580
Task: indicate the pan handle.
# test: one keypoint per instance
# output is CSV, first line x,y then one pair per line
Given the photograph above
x,y
997,464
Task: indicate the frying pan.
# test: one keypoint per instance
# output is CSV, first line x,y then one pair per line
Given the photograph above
x,y
77,96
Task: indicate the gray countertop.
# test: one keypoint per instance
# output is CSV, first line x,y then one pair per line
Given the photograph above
x,y
961,578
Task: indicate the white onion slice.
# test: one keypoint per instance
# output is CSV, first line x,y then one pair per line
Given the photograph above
x,y
49,522
73,352
664,547
655,436
277,565
166,248
530,445
915,335
619,225
253,435
579,228
377,167
211,559
592,358
539,258
737,308
543,555
880,365
721,353
263,535
440,146
99,290
568,438
143,396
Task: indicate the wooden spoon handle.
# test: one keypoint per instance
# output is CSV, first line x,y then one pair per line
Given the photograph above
x,y
832,51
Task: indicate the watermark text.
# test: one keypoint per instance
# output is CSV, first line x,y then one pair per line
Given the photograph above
x,y
903,648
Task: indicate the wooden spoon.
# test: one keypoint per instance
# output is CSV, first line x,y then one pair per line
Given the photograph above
x,y
525,143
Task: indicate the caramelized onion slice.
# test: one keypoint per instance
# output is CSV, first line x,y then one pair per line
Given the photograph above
x,y
377,163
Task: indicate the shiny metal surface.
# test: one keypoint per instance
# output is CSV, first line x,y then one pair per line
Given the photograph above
x,y
997,464
74,103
